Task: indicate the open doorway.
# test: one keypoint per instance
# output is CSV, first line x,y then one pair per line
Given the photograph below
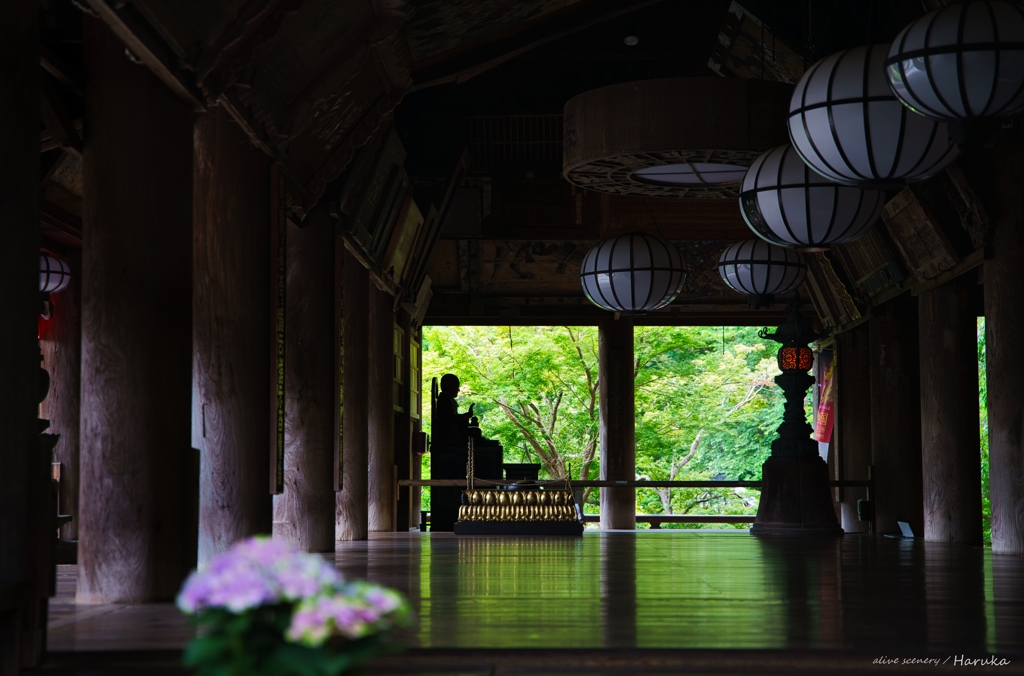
x,y
706,406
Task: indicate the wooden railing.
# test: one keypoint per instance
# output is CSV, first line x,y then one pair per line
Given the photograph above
x,y
461,483
654,519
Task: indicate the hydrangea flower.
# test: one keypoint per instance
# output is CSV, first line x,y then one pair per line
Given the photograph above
x,y
255,572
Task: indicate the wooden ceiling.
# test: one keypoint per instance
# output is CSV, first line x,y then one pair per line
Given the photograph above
x,y
312,81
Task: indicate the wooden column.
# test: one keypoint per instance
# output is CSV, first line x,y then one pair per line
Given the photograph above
x,y
62,358
1004,343
231,329
403,426
304,513
853,420
19,314
136,543
381,414
896,416
618,431
352,503
950,441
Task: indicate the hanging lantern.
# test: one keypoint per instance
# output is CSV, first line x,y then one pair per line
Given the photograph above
x,y
632,273
761,270
961,62
796,358
847,125
784,201
54,274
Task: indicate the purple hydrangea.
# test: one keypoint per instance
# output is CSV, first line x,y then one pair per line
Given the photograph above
x,y
255,572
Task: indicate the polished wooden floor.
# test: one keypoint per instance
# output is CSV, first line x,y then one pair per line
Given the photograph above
x,y
648,595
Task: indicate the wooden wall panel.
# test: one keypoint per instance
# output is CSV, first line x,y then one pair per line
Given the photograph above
x,y
135,543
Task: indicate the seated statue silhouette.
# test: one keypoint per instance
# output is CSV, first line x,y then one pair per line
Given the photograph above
x,y
448,426
449,444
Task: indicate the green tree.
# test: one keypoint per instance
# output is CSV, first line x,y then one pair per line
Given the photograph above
x,y
986,504
706,407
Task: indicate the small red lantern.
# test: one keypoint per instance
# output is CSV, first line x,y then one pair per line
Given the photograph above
x,y
794,358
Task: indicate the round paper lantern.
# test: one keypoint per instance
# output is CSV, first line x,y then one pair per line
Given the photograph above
x,y
54,274
961,62
761,270
848,126
632,273
786,202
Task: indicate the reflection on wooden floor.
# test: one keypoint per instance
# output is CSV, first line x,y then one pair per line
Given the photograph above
x,y
661,590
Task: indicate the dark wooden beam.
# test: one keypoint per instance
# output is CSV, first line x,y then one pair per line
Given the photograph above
x,y
142,41
463,66
57,120
60,69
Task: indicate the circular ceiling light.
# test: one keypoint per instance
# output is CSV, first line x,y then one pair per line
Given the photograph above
x,y
961,62
632,273
632,41
671,137
785,202
847,125
761,270
697,173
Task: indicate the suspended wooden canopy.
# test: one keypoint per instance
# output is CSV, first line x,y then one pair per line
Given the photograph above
x,y
672,137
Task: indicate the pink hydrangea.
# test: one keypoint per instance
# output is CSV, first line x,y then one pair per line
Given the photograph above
x,y
255,572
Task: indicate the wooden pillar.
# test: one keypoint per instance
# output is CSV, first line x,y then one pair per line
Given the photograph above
x,y
403,423
136,543
62,358
853,421
304,513
1004,344
950,441
896,416
380,413
352,503
19,314
618,431
231,329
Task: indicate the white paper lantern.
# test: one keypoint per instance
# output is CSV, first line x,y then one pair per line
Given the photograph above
x,y
848,126
761,270
787,203
54,274
961,62
632,273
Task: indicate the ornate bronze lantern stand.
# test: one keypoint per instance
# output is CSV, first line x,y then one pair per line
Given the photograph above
x,y
795,496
